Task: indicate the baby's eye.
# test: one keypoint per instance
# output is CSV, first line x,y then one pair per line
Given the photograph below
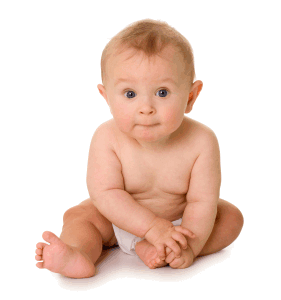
x,y
162,93
130,94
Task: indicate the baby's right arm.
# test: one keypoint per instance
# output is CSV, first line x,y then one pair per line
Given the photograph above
x,y
106,186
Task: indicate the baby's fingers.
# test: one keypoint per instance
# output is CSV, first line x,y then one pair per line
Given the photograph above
x,y
177,236
170,257
185,231
161,251
172,244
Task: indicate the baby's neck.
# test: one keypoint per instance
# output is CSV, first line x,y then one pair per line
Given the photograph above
x,y
159,145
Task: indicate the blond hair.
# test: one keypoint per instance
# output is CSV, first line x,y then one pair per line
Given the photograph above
x,y
150,37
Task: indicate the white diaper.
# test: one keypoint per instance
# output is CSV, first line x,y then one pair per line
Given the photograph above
x,y
127,241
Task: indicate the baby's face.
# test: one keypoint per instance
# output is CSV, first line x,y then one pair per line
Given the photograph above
x,y
147,98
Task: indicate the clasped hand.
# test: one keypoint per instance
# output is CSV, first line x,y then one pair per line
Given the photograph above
x,y
164,234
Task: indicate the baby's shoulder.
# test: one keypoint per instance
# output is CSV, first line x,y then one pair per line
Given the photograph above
x,y
200,134
105,133
105,127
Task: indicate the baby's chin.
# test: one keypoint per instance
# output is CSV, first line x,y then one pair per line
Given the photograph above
x,y
146,134
152,139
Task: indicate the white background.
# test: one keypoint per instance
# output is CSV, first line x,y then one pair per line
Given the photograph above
x,y
50,107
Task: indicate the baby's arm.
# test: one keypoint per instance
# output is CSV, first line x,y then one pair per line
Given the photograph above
x,y
106,186
203,194
202,197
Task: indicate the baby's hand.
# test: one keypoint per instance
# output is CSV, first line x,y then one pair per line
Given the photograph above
x,y
164,234
183,262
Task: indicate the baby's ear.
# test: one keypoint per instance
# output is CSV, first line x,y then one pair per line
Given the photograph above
x,y
196,88
194,92
102,91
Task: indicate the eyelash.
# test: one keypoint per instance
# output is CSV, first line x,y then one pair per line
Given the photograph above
x,y
129,90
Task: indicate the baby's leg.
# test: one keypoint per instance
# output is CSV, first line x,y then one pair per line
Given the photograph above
x,y
80,244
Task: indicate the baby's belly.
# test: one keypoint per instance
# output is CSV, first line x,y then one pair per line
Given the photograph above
x,y
170,208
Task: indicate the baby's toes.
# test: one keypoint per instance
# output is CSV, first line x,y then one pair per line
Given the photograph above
x,y
40,265
38,257
151,264
39,251
154,263
41,246
157,263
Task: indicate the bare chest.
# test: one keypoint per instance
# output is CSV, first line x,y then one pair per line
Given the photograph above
x,y
158,180
156,175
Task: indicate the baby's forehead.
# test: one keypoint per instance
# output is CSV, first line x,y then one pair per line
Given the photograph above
x,y
168,62
140,62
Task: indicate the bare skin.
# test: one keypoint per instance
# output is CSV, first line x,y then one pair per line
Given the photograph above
x,y
148,254
86,230
59,257
156,157
74,255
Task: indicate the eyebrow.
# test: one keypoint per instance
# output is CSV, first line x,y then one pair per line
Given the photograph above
x,y
120,80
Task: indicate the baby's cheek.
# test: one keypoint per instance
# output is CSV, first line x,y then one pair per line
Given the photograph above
x,y
172,117
123,123
168,115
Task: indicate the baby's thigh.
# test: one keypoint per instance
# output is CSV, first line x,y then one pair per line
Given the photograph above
x,y
100,222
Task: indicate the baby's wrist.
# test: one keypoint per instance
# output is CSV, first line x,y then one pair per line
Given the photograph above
x,y
149,232
156,228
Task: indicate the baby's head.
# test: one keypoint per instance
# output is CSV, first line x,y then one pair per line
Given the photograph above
x,y
148,74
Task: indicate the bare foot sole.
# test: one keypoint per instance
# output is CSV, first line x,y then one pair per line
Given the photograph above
x,y
148,254
59,257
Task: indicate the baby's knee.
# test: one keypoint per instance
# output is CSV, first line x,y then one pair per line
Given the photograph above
x,y
227,212
74,212
238,219
235,224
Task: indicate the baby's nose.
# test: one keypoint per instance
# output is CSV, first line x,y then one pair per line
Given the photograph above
x,y
147,111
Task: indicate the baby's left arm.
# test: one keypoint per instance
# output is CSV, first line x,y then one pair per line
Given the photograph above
x,y
203,194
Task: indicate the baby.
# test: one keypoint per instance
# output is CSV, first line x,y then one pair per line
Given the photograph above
x,y
153,173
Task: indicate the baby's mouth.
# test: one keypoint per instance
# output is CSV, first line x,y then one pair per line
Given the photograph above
x,y
148,125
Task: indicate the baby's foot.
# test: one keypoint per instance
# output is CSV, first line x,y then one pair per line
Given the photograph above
x,y
148,254
59,257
